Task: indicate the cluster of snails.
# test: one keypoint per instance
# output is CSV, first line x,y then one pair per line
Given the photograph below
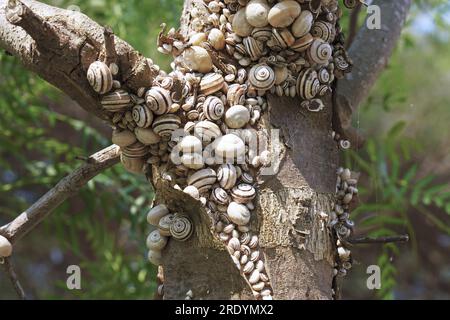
x,y
195,122
339,218
174,225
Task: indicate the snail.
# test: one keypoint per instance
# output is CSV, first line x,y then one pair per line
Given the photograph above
x,y
123,138
181,228
155,241
302,25
320,52
211,83
5,247
283,14
147,136
237,116
156,213
261,77
142,115
256,13
238,213
240,24
192,191
116,100
216,38
158,100
164,224
229,148
197,59
220,196
227,176
165,125
243,193
100,77
207,131
154,257
203,179
213,108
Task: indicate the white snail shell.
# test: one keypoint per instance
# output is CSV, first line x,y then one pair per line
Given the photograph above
x,y
197,59
192,191
202,179
116,100
243,193
181,228
303,43
191,144
142,115
156,213
220,196
240,24
100,77
193,160
323,30
256,13
217,39
284,13
213,108
155,241
261,77
154,257
238,213
228,148
5,247
254,277
123,138
158,100
237,116
320,51
302,25
197,38
248,267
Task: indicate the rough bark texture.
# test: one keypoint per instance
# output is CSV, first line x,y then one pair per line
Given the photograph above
x,y
298,249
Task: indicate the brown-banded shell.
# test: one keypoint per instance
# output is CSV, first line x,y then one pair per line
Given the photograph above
x,y
261,77
247,178
308,84
203,179
234,244
165,125
284,13
303,43
253,47
158,100
131,164
213,108
123,138
237,117
142,115
256,13
211,83
249,267
100,77
164,224
227,176
220,196
236,94
181,228
136,150
262,34
323,30
155,241
302,25
116,100
238,213
207,131
320,51
254,256
282,39
243,193
245,238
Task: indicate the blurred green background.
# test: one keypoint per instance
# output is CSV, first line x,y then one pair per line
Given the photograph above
x,y
404,169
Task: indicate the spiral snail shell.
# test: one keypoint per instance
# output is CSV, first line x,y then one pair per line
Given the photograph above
x,y
156,213
261,77
154,257
164,224
155,241
237,116
116,100
320,51
158,100
136,150
211,83
100,77
220,196
253,48
181,228
323,30
303,43
227,176
213,108
308,84
284,13
202,179
142,116
256,13
164,125
238,213
262,34
147,136
207,131
243,193
123,138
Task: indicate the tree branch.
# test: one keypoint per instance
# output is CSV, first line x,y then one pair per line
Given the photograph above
x,y
366,240
59,45
370,53
66,188
9,269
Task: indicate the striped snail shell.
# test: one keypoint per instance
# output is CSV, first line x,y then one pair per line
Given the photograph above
x,y
116,100
131,164
245,238
166,124
213,108
236,94
247,178
324,75
283,38
220,196
303,43
248,267
165,223
158,100
323,30
253,243
210,83
261,77
227,176
156,213
320,51
238,213
202,179
142,115
253,48
155,241
243,193
100,77
308,84
262,34
207,131
136,150
181,228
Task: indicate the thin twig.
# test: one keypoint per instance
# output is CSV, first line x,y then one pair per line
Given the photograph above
x,y
9,269
67,187
365,240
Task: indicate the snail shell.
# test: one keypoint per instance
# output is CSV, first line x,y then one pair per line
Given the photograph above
x,y
229,148
220,196
247,178
236,94
197,59
253,243
207,131
164,224
100,77
211,83
203,179
166,124
260,265
249,267
282,38
147,136
123,138
193,160
154,257
213,108
156,213
302,25
303,43
192,191
5,247
281,74
191,144
197,38
217,39
237,117
243,193
254,277
155,241
320,52
262,34
181,228
240,24
136,150
238,213
284,13
261,77
134,165
254,256
245,238
350,3
234,244
253,47
142,116
308,84
324,75
259,286
323,30
256,13
116,100
158,100
227,176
